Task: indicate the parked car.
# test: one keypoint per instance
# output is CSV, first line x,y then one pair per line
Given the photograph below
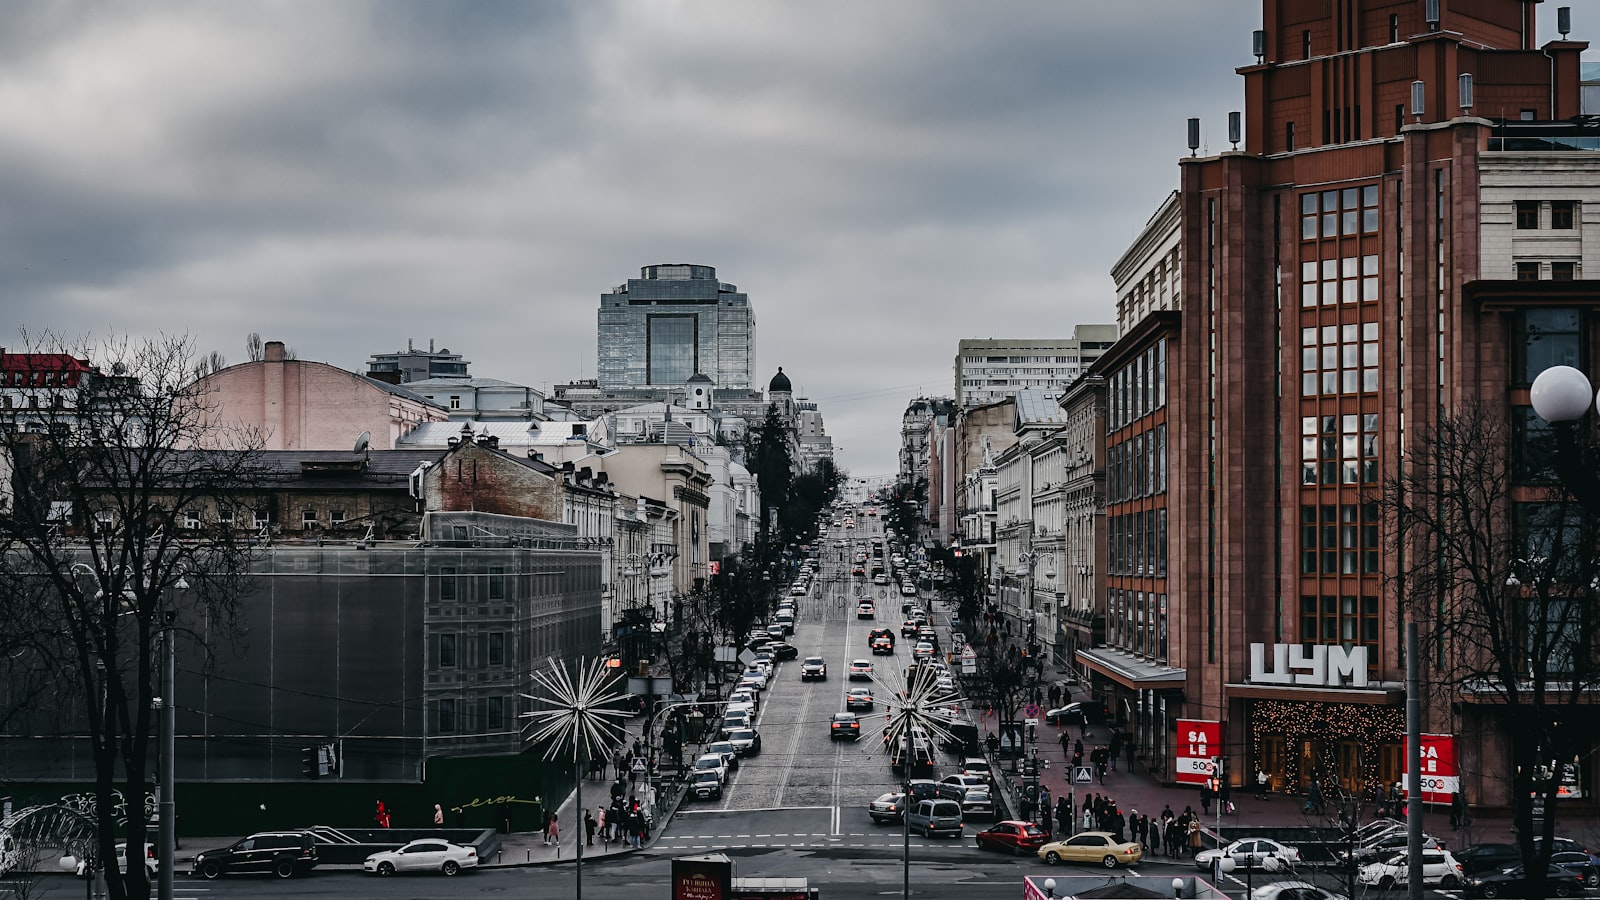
x,y
858,698
1013,836
1293,890
712,762
1438,868
1100,847
782,650
1383,847
758,677
1258,853
705,785
814,667
735,720
426,855
728,752
151,865
283,853
1579,862
935,817
844,725
1488,857
1512,882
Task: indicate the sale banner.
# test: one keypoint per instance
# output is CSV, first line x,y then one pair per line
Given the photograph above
x,y
1441,779
1199,742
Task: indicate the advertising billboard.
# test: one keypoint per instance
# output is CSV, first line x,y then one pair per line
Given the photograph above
x,y
1199,741
1440,777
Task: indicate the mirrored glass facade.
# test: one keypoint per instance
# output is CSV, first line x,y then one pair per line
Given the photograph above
x,y
673,322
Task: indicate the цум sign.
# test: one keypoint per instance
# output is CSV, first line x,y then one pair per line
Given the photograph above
x,y
1325,665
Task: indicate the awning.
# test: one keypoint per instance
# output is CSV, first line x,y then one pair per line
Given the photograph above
x,y
1131,671
1380,694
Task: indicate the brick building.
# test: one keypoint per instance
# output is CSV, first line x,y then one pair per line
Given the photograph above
x,y
1392,239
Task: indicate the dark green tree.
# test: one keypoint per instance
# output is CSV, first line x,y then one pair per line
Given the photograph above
x,y
767,450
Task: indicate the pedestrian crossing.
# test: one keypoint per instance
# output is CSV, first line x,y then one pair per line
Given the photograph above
x,y
799,840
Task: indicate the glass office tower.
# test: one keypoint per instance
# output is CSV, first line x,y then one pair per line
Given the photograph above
x,y
672,322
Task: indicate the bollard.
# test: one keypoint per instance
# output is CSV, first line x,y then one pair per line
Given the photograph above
x,y
499,854
529,851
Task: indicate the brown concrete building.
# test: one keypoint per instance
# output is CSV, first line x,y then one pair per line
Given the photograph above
x,y
1368,258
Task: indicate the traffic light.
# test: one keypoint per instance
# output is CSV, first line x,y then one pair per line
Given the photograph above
x,y
311,762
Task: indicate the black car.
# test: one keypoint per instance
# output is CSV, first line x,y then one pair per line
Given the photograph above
x,y
282,853
814,668
1488,857
1581,863
782,650
1512,882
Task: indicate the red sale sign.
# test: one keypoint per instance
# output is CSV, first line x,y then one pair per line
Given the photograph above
x,y
1441,779
1199,741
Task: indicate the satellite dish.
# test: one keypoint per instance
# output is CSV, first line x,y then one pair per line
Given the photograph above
x,y
363,442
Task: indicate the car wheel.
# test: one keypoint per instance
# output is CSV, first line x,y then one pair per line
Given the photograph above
x,y
210,869
1591,879
1449,882
1490,890
451,867
1109,862
928,832
1563,888
1053,858
386,869
283,868
1386,883
1271,863
978,842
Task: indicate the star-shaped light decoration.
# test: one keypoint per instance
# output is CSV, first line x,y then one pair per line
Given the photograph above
x,y
584,715
918,704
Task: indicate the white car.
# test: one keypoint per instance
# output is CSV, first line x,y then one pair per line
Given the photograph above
x,y
744,697
150,863
756,675
1257,853
1438,868
712,762
426,855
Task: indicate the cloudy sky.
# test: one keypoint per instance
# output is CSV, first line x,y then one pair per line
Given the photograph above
x,y
882,177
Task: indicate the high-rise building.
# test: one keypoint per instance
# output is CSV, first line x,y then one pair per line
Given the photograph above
x,y
673,322
1404,230
992,369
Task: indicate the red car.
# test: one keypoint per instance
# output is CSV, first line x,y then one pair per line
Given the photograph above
x,y
1017,837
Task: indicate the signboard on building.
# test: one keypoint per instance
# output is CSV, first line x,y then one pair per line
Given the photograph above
x,y
1441,779
1199,741
705,877
1320,665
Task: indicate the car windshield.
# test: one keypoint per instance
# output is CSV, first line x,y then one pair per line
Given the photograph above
x,y
813,660
741,734
707,777
708,762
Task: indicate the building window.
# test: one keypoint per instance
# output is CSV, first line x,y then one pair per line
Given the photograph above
x,y
1546,337
447,583
494,713
1561,214
446,723
191,519
261,518
447,652
1528,115
497,648
1527,215
1562,271
1394,29
225,517
1305,44
455,401
1288,136
497,583
1531,447
1527,271
308,518
336,517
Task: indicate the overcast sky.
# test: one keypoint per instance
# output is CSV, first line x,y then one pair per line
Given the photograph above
x,y
882,177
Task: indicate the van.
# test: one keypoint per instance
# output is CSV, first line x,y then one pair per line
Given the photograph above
x,y
935,817
786,621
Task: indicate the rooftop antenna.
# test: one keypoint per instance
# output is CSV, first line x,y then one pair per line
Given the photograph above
x,y
1233,128
1258,45
1564,20
363,442
1419,103
1465,80
1431,13
1194,136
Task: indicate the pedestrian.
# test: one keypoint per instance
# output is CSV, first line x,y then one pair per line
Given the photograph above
x,y
381,816
588,827
1206,792
1263,782
554,832
1224,790
438,816
1088,819
1028,807
1064,815
544,824
1130,750
1077,747
1458,810
1044,801
1195,838
1314,804
1115,750
461,816
600,817
1153,833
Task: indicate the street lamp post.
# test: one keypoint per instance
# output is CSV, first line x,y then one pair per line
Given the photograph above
x,y
1562,395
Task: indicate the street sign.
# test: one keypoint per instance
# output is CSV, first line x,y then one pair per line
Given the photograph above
x,y
1034,722
747,657
1082,775
1031,711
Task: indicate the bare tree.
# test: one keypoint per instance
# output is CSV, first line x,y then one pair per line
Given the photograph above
x,y
210,364
115,533
1497,563
253,349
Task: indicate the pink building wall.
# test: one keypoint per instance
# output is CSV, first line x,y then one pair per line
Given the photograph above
x,y
301,405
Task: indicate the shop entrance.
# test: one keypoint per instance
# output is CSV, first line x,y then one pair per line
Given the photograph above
x,y
1272,760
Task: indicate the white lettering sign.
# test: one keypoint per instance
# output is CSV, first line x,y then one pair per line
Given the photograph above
x,y
1322,666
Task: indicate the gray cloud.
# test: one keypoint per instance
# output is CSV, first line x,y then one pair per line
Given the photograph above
x,y
883,178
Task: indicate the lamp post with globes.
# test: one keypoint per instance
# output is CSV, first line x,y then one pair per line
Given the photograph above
x,y
1562,396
